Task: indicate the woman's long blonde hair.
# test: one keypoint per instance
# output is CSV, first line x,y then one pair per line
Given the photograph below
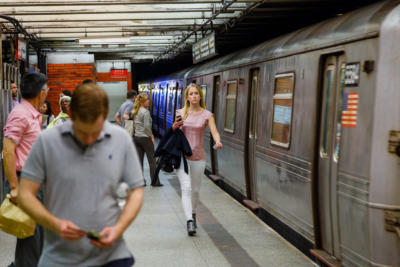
x,y
186,105
140,99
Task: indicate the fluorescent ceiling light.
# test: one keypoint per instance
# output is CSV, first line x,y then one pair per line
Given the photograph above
x,y
100,41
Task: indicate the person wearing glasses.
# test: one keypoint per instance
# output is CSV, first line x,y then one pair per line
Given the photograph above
x,y
22,128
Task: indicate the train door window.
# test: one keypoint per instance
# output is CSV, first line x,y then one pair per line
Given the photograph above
x,y
329,83
339,112
230,108
282,110
253,99
171,94
179,96
216,97
204,90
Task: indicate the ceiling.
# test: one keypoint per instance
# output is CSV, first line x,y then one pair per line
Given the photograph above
x,y
163,30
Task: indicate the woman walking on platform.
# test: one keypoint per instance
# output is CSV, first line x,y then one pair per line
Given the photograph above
x,y
143,135
193,119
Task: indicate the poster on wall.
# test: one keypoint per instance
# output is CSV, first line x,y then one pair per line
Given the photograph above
x,y
20,51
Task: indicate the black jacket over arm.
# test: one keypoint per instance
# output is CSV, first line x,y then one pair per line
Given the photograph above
x,y
172,147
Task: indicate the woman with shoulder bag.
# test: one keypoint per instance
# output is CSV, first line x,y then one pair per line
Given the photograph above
x,y
193,120
143,136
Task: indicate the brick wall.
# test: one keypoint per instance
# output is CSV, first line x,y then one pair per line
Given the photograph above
x,y
105,77
66,77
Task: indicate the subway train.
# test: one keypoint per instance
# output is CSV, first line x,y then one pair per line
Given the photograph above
x,y
310,126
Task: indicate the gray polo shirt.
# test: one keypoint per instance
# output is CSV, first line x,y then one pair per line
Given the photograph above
x,y
80,185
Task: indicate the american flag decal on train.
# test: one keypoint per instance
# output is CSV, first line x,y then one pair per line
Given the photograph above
x,y
349,111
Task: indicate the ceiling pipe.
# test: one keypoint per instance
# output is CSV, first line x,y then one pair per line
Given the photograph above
x,y
225,28
31,37
182,41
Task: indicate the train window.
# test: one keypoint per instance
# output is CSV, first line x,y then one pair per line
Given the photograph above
x,y
339,112
326,110
204,89
230,108
282,111
171,94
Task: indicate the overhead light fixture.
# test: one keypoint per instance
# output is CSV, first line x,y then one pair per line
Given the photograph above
x,y
105,41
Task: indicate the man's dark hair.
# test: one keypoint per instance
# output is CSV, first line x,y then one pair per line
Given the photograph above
x,y
31,84
130,94
87,81
67,92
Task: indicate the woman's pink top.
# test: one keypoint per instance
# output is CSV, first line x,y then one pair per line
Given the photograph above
x,y
193,127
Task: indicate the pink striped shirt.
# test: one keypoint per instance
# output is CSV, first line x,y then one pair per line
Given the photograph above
x,y
23,126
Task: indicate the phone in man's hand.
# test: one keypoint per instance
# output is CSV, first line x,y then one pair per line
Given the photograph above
x,y
93,235
178,118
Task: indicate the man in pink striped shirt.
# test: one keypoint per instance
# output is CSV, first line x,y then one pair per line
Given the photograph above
x,y
22,128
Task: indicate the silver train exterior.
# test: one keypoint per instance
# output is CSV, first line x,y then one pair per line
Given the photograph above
x,y
310,123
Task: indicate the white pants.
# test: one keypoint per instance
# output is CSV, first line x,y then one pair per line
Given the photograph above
x,y
190,185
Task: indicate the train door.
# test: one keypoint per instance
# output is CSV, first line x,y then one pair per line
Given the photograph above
x,y
155,93
163,108
250,142
215,110
178,98
171,105
328,152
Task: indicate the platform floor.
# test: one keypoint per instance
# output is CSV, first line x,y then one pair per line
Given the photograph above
x,y
228,234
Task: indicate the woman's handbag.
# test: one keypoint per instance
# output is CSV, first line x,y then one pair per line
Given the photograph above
x,y
130,127
15,221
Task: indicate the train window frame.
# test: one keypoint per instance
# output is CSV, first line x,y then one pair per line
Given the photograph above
x,y
228,130
283,96
170,99
204,89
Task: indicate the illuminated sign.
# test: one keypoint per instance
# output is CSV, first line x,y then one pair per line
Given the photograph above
x,y
204,49
119,73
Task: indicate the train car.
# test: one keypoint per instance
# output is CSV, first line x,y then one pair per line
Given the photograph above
x,y
170,104
167,100
154,106
163,92
310,127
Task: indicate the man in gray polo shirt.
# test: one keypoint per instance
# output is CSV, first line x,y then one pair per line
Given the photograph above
x,y
80,164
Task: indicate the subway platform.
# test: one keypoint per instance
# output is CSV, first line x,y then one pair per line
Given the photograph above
x,y
228,234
